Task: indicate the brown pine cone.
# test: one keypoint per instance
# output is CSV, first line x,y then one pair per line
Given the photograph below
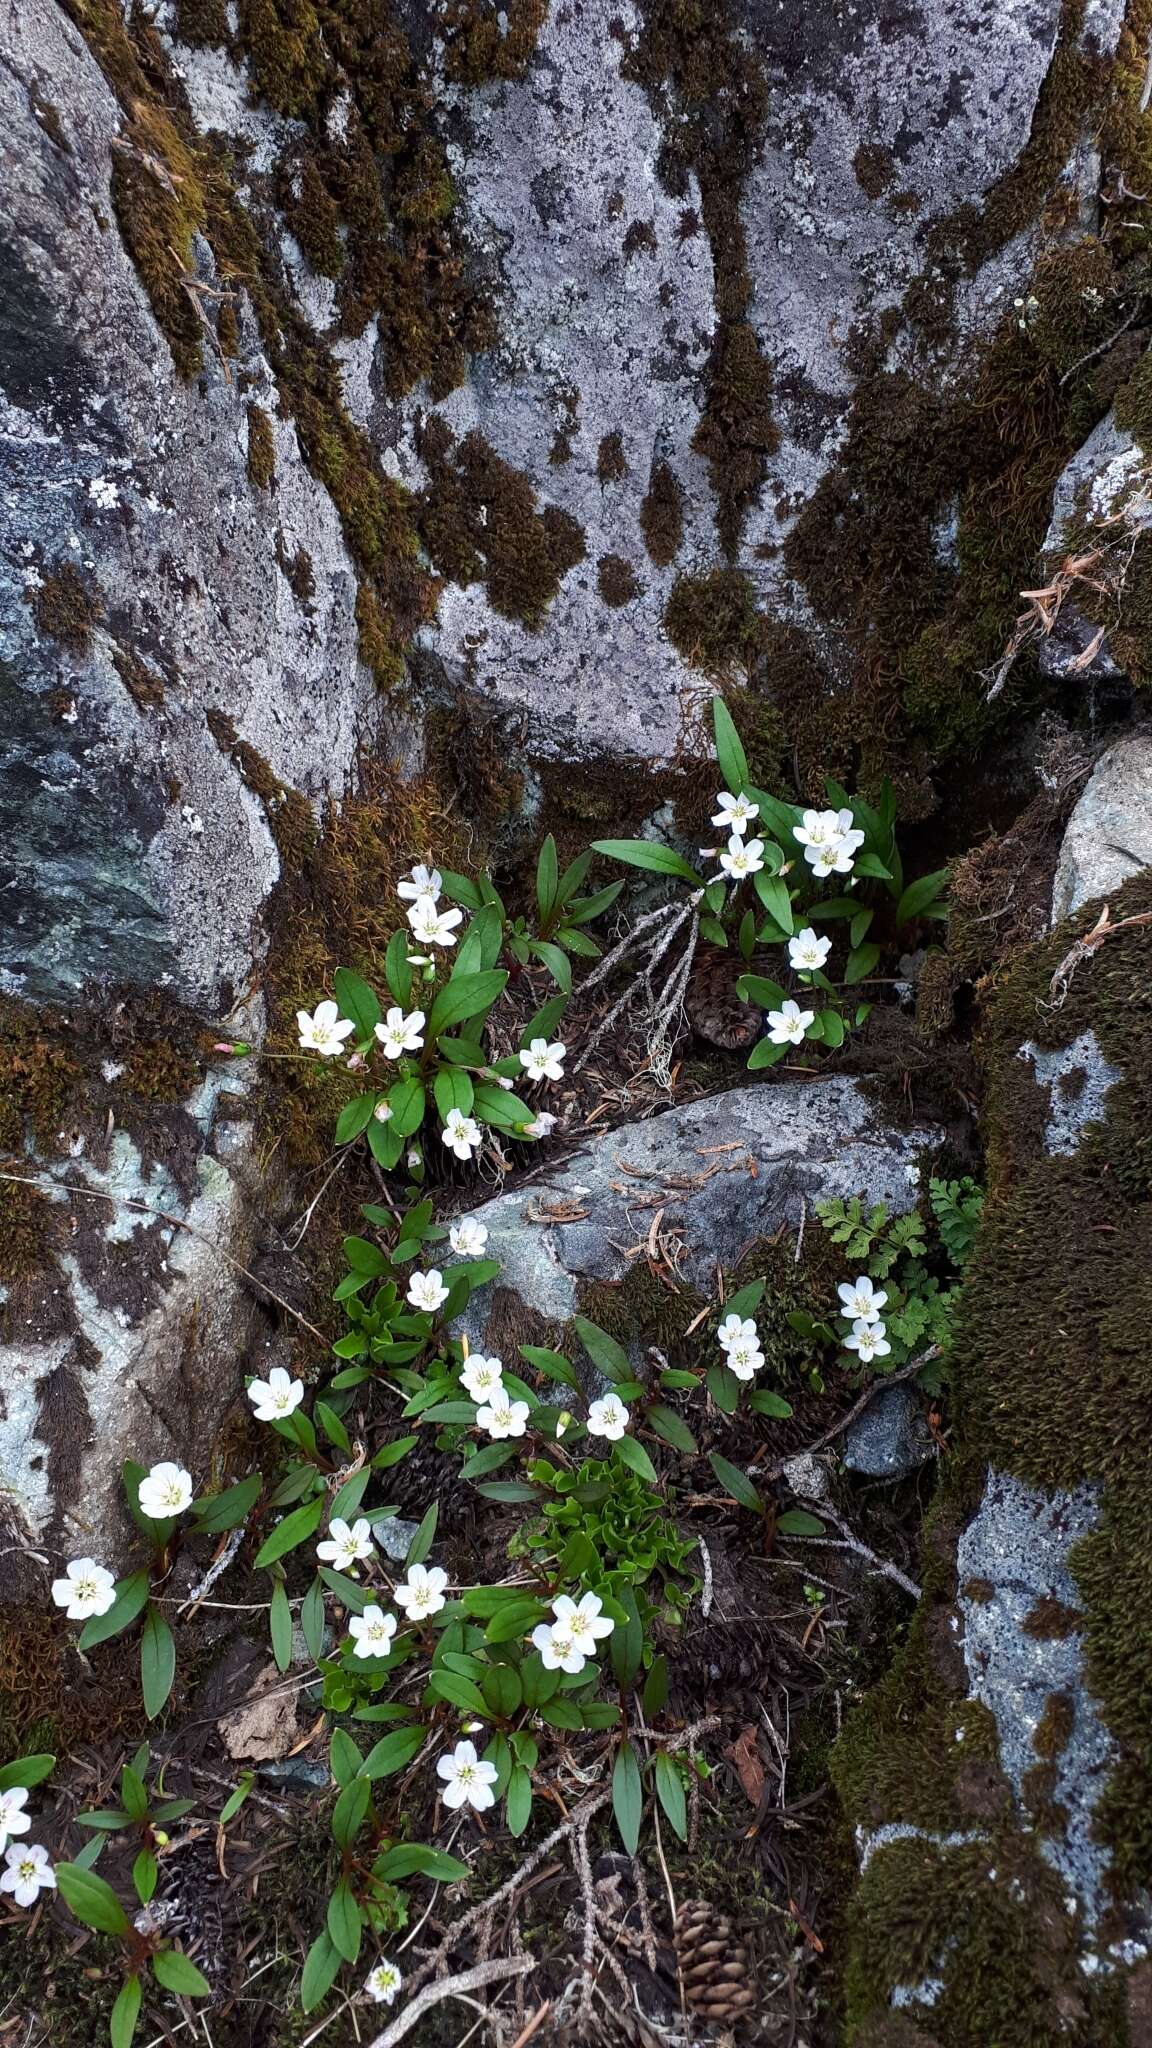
x,y
712,1005
713,1964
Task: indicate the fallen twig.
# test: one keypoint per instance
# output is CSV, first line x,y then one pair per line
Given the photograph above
x,y
878,1563
451,1987
845,1421
1084,948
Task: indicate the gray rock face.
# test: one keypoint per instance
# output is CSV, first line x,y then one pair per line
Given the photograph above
x,y
1109,835
891,1438
1077,1077
724,1171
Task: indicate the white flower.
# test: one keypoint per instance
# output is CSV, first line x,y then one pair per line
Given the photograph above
x,y
861,1301
544,1062
27,1872
372,1631
324,1031
742,858
166,1490
383,1983
816,829
608,1417
467,1781
468,1238
735,1330
383,1112
503,1417
345,1546
787,1026
735,813
399,1034
423,1591
541,1126
482,1377
276,1396
461,1134
744,1359
868,1341
86,1588
422,881
807,952
829,841
13,1819
558,1647
433,927
584,1621
427,1291
414,1159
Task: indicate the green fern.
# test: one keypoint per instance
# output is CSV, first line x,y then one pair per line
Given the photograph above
x,y
956,1205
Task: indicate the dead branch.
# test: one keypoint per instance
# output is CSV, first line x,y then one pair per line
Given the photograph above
x,y
1084,948
451,1987
845,1421
878,1563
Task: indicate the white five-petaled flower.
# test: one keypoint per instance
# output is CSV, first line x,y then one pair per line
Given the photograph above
x,y
467,1781
745,1358
461,1134
422,1593
541,1126
583,1619
868,1341
86,1588
433,927
468,1238
383,1982
324,1031
608,1417
13,1819
482,1377
862,1302
427,1291
346,1545
399,1034
501,1416
276,1396
807,952
735,813
559,1650
383,1112
372,1632
423,881
165,1490
787,1025
829,840
736,1330
744,857
27,1872
544,1062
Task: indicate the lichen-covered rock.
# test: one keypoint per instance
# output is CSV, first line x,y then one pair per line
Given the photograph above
x,y
891,1438
1109,835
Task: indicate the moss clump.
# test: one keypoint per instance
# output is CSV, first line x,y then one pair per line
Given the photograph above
x,y
285,50
39,1077
712,620
662,515
1050,1618
611,461
616,580
480,523
66,607
484,42
297,571
875,168
162,1071
203,24
261,449
289,815
25,1225
737,432
313,215
144,685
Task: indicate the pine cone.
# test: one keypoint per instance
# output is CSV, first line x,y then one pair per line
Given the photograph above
x,y
713,1964
713,1007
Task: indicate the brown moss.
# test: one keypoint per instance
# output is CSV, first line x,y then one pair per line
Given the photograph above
x,y
483,41
203,23
289,815
228,329
261,449
611,461
480,523
875,168
313,215
144,685
639,235
616,580
297,571
712,620
67,606
737,432
375,640
662,515
1054,1728
1050,1617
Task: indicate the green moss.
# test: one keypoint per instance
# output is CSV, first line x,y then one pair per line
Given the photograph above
x,y
285,50
616,580
203,23
484,42
611,461
261,449
66,607
712,620
662,515
313,215
480,523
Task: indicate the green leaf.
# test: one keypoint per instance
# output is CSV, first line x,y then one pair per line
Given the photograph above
x,y
157,1661
517,1619
391,1454
397,972
861,961
321,1969
421,1542
670,1793
458,1691
736,1483
773,894
354,1118
464,996
870,864
560,1713
332,1427
859,927
406,1101
344,1923
764,1403
730,755
356,1001
746,1300
385,1143
131,1599
295,1529
626,1643
27,1770
628,1452
91,1900
459,889
832,1026
125,2013
489,1459
753,988
765,1054
545,1022
415,1859
280,1626
235,1800
796,1522
556,961
551,1364
145,1875
502,1691
518,1800
642,853
919,894
547,876
656,1688
627,1796
507,1489
347,1501
453,1089
603,1350
668,1424
349,1812
588,908
724,1388
538,1685
228,1509
365,1257
393,1752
